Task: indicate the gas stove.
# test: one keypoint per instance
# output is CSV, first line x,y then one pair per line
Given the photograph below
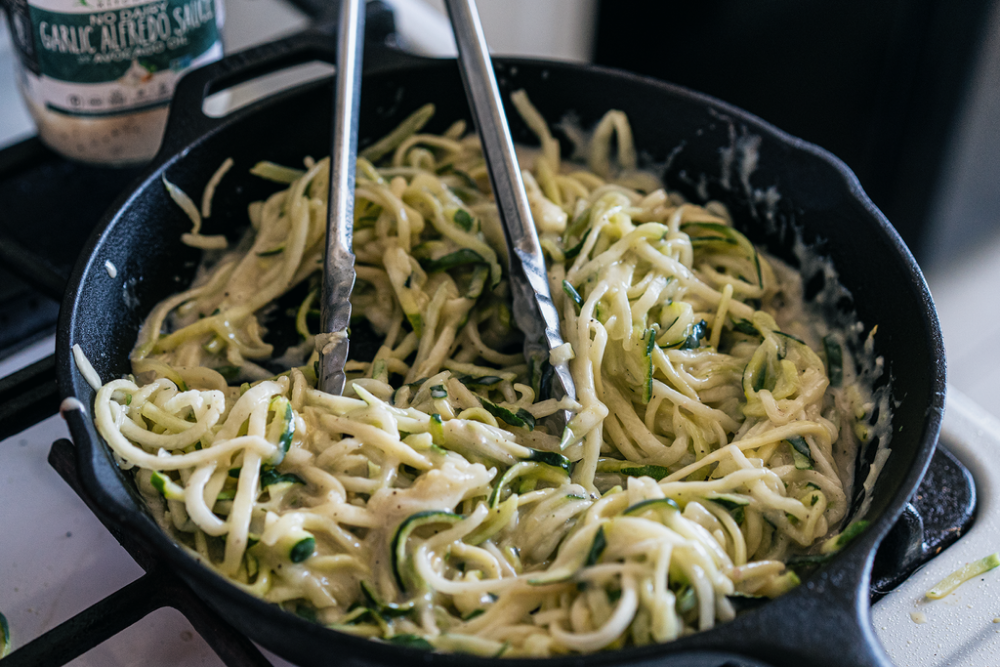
x,y
95,598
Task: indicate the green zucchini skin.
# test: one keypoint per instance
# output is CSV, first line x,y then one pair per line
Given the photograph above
x,y
483,381
285,413
286,436
458,258
801,455
302,549
730,501
399,539
540,471
686,600
655,503
297,546
575,250
168,488
411,641
834,360
521,418
647,357
597,548
270,477
573,294
385,609
629,469
553,459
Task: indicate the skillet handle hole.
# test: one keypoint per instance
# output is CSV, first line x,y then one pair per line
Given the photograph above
x,y
224,102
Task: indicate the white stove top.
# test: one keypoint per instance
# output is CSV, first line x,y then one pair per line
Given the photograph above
x,y
963,629
57,559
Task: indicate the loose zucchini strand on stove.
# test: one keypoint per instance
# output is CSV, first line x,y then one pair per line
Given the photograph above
x,y
947,585
428,505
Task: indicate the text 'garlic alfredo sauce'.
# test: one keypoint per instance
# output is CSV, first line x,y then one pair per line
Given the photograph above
x,y
98,75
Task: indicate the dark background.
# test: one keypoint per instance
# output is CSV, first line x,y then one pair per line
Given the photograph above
x,y
879,83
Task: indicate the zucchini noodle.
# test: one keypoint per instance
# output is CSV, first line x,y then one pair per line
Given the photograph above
x,y
430,505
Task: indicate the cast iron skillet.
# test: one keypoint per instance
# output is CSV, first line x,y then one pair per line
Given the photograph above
x,y
825,621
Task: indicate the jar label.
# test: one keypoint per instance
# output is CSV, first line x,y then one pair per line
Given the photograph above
x,y
107,57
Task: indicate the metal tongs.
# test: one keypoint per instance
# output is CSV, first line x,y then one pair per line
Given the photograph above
x,y
338,268
534,311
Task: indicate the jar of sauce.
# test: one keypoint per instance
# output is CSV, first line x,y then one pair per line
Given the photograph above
x,y
98,75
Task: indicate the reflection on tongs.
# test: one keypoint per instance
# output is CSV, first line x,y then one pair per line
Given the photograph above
x,y
534,311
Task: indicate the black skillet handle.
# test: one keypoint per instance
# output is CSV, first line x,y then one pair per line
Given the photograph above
x,y
188,122
825,622
839,611
939,513
902,551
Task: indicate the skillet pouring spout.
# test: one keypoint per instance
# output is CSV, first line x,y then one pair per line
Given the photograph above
x,y
795,194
